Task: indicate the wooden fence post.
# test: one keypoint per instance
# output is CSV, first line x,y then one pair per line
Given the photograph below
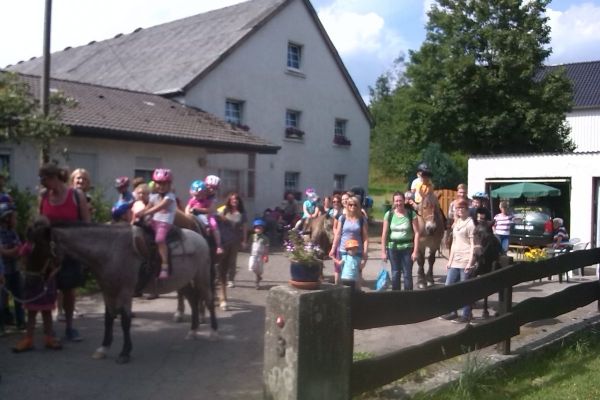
x,y
506,307
308,344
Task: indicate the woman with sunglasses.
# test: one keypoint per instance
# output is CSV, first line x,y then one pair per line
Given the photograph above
x,y
352,225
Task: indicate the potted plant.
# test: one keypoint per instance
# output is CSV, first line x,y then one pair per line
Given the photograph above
x,y
306,265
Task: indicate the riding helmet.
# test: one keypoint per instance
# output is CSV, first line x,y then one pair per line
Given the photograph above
x,y
162,175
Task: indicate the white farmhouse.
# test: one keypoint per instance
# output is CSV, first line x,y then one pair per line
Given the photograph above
x,y
263,65
576,174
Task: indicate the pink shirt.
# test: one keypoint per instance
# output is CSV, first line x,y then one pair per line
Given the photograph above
x,y
67,211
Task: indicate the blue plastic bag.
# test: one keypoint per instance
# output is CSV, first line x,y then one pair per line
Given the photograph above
x,y
383,279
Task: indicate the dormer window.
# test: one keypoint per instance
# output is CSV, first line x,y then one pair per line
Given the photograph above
x,y
294,55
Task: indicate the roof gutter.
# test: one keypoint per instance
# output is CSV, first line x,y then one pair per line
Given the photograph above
x,y
100,133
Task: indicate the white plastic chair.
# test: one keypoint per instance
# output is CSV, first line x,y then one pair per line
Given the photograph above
x,y
579,245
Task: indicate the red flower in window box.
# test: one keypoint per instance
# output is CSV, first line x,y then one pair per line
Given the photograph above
x,y
341,140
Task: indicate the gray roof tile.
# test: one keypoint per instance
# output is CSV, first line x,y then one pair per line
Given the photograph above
x,y
585,77
104,112
160,59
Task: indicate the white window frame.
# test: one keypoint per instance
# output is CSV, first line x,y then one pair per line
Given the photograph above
x,y
339,128
294,55
232,180
292,119
234,111
339,182
291,181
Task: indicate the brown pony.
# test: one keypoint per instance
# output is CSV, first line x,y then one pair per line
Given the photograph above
x,y
320,232
431,222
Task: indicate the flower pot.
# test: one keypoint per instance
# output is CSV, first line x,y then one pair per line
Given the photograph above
x,y
304,276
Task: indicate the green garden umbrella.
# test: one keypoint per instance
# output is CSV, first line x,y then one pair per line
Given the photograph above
x,y
525,189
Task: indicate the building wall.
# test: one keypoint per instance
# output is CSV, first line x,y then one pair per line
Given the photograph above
x,y
256,73
581,168
585,129
108,159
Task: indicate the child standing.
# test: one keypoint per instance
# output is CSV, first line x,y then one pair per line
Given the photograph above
x,y
162,207
9,250
351,265
259,251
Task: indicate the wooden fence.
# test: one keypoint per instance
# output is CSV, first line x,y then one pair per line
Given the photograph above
x,y
317,337
420,306
445,197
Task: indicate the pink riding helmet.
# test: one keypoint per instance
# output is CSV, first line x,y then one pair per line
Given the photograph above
x,y
162,175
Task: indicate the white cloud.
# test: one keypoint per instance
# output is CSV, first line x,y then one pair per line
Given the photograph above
x,y
575,33
366,33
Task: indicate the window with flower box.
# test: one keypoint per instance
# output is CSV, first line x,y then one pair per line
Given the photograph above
x,y
292,125
339,133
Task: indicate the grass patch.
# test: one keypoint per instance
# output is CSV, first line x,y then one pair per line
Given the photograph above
x,y
566,370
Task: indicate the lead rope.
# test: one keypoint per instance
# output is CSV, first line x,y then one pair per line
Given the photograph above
x,y
47,265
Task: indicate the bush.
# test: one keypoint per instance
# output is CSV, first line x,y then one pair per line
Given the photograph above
x,y
26,204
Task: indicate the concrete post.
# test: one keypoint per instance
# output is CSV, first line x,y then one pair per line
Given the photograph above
x,y
308,344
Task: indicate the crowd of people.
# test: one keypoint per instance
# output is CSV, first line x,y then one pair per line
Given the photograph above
x,y
66,198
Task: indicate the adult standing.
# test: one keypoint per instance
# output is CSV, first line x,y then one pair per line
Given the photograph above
x,y
502,222
290,209
461,194
460,261
352,225
234,236
62,203
400,241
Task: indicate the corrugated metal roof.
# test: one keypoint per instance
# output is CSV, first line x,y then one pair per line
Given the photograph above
x,y
104,112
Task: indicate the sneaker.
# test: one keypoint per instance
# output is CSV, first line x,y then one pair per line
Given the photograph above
x,y
164,274
24,344
462,320
52,343
230,284
449,317
224,306
72,335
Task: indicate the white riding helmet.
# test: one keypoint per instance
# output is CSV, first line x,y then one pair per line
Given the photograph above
x,y
212,180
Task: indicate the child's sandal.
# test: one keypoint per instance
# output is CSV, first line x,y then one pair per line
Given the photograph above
x,y
52,343
25,344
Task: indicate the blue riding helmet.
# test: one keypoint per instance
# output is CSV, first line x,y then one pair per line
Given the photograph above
x,y
119,209
480,195
258,222
197,186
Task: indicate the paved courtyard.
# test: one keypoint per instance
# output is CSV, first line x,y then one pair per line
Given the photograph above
x,y
164,365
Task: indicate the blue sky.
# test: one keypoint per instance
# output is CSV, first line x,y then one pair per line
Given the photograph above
x,y
369,34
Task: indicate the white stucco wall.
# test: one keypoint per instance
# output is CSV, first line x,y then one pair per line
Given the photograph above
x,y
113,158
256,73
581,168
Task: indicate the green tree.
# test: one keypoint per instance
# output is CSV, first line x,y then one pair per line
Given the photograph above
x,y
20,115
476,86
480,74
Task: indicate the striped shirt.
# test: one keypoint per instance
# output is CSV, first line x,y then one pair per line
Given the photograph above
x,y
502,224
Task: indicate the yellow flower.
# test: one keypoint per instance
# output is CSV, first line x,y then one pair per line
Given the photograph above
x,y
536,254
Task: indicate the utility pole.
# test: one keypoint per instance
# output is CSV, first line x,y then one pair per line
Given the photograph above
x,y
45,83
